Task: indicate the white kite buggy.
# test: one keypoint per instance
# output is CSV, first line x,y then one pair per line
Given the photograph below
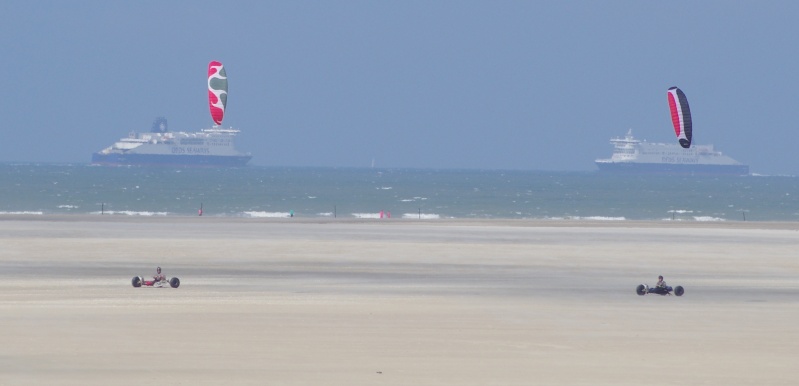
x,y
138,281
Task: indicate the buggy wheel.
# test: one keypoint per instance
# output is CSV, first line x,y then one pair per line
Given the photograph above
x,y
640,290
678,290
136,281
174,282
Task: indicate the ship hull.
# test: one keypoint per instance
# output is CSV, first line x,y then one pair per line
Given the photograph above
x,y
118,159
665,168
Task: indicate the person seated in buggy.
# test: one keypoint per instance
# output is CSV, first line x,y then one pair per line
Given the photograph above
x,y
661,287
158,277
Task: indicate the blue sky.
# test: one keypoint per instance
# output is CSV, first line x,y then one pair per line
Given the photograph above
x,y
422,84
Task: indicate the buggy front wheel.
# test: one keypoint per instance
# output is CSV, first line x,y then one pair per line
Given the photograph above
x,y
678,290
640,290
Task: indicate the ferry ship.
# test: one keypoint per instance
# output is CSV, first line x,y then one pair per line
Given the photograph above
x,y
634,156
207,147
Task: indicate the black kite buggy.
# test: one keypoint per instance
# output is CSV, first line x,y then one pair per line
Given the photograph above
x,y
644,289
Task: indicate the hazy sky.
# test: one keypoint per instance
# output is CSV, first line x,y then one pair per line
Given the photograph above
x,y
423,84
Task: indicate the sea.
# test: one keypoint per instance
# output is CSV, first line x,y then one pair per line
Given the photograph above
x,y
423,194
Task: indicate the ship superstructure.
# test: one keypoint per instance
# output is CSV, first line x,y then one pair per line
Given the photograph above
x,y
634,156
207,147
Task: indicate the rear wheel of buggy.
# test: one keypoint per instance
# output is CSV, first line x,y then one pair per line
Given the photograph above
x,y
640,290
678,290
136,281
174,282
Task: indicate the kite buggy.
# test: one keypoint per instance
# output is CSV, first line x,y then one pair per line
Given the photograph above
x,y
660,288
138,281
159,281
644,289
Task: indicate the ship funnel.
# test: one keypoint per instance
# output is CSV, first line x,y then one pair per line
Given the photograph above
x,y
159,125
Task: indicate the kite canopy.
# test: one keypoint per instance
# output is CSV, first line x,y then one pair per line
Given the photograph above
x,y
217,91
680,116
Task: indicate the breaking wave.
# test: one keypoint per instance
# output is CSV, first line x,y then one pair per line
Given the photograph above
x,y
259,214
130,213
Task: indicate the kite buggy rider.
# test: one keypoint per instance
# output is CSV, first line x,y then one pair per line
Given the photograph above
x,y
159,276
159,281
660,288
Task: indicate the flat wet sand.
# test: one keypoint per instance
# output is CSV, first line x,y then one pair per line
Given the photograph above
x,y
396,302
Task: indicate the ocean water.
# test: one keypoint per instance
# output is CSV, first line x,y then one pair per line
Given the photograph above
x,y
37,189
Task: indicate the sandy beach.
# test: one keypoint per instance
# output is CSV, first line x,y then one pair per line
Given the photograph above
x,y
396,302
